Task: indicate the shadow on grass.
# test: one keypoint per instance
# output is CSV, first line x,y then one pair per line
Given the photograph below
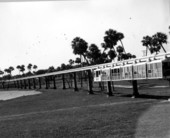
x,y
147,96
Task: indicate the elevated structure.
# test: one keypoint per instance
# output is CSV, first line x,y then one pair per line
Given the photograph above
x,y
132,69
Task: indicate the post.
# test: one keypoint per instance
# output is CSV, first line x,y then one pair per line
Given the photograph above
x,y
135,88
75,82
25,85
46,82
64,86
54,83
29,84
18,84
90,82
34,83
21,84
39,83
3,85
109,89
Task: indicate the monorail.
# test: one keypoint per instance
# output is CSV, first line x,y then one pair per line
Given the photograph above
x,y
156,69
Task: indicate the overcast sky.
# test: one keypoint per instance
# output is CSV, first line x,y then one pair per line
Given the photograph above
x,y
41,32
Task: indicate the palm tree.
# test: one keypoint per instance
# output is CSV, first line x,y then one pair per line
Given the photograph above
x,y
94,54
11,69
35,67
19,68
71,62
120,36
22,68
147,42
51,69
29,67
79,47
159,39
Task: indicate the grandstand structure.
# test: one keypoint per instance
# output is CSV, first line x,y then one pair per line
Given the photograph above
x,y
149,67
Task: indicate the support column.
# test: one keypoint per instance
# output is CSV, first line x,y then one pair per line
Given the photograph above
x,y
75,82
63,78
15,86
34,83
3,85
46,82
21,84
25,85
39,80
90,82
29,84
109,89
54,82
18,84
135,88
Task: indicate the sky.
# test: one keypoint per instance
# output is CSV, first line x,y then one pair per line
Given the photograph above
x,y
40,32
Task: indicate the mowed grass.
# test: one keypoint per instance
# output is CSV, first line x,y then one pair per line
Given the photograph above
x,y
66,113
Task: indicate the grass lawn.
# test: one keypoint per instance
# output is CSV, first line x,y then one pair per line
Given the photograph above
x,y
65,113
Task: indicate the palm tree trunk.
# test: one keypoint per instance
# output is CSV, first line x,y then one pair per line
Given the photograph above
x,y
122,46
163,48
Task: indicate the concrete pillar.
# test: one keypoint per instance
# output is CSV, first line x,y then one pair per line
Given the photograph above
x,y
109,89
90,81
63,78
18,84
3,85
54,83
21,84
34,83
29,84
39,80
46,82
25,85
75,82
135,88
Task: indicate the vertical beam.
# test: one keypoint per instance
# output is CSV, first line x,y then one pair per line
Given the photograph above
x,y
63,78
75,82
135,88
34,83
15,86
39,80
46,82
3,85
90,82
25,85
109,89
29,84
21,84
54,82
18,84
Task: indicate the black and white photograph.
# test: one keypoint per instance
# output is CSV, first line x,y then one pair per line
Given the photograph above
x,y
84,68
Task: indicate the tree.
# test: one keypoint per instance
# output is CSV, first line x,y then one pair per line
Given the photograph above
x,y
29,67
147,42
1,72
19,68
78,60
22,68
51,69
79,47
35,67
11,69
111,39
63,66
155,43
159,39
71,62
94,54
120,36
